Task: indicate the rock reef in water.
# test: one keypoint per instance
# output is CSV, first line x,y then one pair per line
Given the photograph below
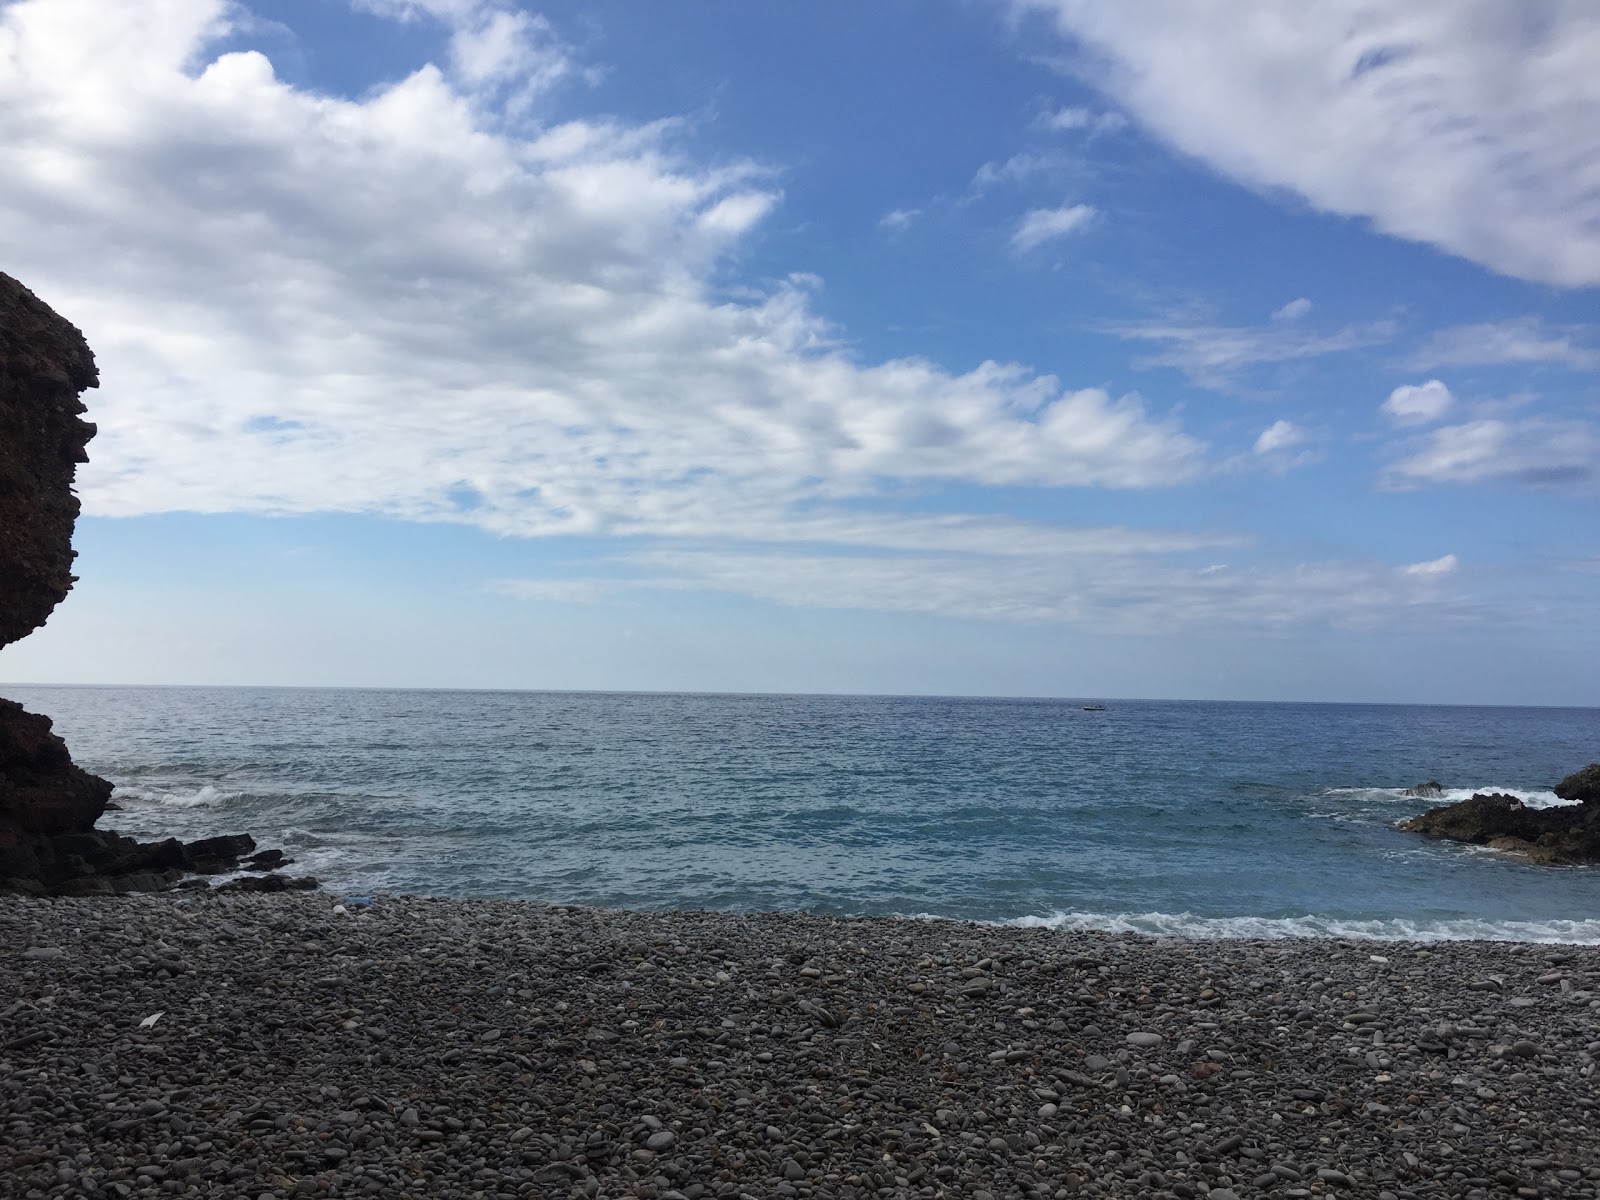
x,y
1566,835
48,805
1583,786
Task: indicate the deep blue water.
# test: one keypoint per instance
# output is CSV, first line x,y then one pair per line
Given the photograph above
x,y
1173,817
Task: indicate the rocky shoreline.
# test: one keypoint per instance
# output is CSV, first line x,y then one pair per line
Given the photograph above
x,y
1563,836
276,1046
48,805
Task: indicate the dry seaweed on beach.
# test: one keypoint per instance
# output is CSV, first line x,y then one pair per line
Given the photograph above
x,y
497,1048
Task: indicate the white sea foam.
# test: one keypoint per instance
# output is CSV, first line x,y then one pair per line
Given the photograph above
x,y
1532,797
1398,929
137,795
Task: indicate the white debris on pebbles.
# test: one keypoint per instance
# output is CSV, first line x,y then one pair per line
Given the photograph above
x,y
433,1048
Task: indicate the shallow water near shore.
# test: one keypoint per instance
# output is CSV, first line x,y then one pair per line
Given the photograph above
x,y
1174,818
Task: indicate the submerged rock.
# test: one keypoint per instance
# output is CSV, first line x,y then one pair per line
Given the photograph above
x,y
1559,836
1432,790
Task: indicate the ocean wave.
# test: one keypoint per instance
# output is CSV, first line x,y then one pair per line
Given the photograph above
x,y
133,795
1396,929
1532,797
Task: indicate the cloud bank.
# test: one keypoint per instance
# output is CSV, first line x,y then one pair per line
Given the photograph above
x,y
426,304
429,304
1472,126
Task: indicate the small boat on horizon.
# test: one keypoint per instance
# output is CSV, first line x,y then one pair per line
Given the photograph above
x,y
1094,708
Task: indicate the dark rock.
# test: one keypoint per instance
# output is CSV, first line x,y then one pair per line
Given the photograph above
x,y
146,881
213,856
44,364
1558,836
89,885
269,883
1581,785
267,860
1432,790
42,793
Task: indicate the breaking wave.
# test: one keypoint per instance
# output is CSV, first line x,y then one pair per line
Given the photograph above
x,y
1532,797
1395,929
141,796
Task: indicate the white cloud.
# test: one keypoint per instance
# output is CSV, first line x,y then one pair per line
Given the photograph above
x,y
1293,311
1432,569
1124,593
900,218
1418,404
1519,342
490,44
1470,125
1217,356
1043,225
1280,435
1018,169
1535,452
1073,119
405,305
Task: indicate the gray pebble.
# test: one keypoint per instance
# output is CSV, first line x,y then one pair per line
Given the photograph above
x,y
305,1053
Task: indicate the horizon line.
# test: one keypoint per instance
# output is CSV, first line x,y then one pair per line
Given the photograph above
x,y
714,692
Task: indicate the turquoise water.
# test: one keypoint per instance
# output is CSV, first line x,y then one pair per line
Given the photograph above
x,y
1174,817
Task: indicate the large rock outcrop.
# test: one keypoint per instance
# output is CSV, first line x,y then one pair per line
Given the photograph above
x,y
44,365
48,805
1560,836
1583,786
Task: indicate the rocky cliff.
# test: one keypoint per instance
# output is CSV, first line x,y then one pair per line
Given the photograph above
x,y
48,805
44,365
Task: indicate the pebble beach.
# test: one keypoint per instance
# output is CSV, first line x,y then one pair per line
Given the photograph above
x,y
291,1045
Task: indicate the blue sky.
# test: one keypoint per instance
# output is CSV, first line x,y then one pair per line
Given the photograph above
x,y
1032,347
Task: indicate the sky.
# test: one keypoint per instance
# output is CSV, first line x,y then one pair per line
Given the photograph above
x,y
1168,348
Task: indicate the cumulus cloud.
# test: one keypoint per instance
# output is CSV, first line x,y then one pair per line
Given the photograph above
x,y
1018,169
1535,452
490,45
430,304
1431,569
404,304
1418,404
1293,311
1043,225
900,218
1469,125
1521,342
1279,436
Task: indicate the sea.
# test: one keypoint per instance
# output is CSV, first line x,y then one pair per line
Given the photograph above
x,y
1171,818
